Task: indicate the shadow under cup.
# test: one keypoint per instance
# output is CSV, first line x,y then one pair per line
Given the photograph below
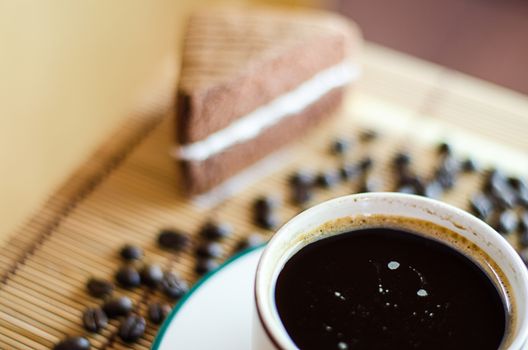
x,y
458,229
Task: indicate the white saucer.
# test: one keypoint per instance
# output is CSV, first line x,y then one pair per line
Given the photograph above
x,y
218,311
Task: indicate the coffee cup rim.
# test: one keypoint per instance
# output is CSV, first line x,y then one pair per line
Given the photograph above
x,y
267,269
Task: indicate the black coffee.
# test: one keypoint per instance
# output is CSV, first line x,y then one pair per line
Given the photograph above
x,y
382,288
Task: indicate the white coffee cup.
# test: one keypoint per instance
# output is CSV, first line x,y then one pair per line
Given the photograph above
x,y
268,331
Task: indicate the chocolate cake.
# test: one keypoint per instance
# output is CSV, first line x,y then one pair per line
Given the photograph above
x,y
254,79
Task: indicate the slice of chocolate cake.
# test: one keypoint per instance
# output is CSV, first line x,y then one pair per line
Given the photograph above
x,y
254,79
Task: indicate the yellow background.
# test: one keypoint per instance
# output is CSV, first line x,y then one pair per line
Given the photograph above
x,y
70,72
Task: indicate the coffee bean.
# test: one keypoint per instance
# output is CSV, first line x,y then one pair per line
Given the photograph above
x,y
265,204
205,265
301,194
339,146
447,172
94,319
128,277
209,250
523,239
99,288
73,343
173,240
268,222
481,205
120,306
131,252
508,221
497,185
445,179
173,286
157,312
368,135
302,177
522,192
444,148
450,164
251,241
408,178
401,160
215,231
523,224
469,165
366,163
349,171
151,275
327,179
520,186
132,328
433,190
263,212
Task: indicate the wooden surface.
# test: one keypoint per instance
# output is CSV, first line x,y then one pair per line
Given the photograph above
x,y
128,190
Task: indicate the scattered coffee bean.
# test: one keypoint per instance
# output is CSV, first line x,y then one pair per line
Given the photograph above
x,y
349,171
251,241
520,186
444,148
209,250
523,239
523,222
302,177
73,343
215,231
445,178
265,204
482,206
173,286
508,221
408,178
131,252
205,265
469,165
522,193
340,146
498,187
366,163
157,312
451,165
263,212
128,277
94,319
401,160
120,306
302,194
99,288
132,328
368,135
447,172
268,222
327,179
173,240
433,190
151,275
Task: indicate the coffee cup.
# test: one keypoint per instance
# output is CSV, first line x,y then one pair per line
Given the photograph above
x,y
350,213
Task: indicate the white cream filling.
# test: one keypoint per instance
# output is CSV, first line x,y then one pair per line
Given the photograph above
x,y
254,123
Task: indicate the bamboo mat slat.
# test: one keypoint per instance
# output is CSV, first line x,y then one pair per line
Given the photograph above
x,y
129,190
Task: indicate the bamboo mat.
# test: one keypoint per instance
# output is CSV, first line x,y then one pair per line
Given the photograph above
x,y
128,190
